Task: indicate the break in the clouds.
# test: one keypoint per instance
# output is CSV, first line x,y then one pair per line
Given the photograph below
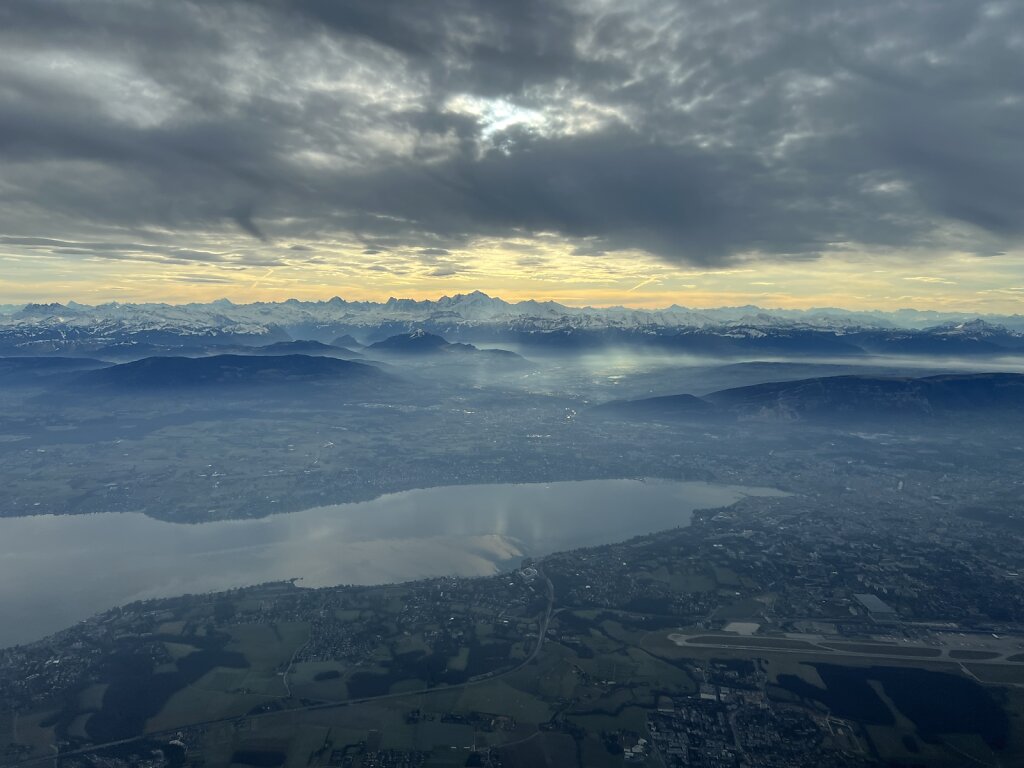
x,y
701,132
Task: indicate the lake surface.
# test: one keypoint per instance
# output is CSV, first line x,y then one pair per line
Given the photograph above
x,y
56,570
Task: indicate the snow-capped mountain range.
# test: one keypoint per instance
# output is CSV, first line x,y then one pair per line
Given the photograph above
x,y
477,317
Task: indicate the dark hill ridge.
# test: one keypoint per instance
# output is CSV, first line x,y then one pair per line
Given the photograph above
x,y
893,396
414,343
429,345
348,341
133,351
22,371
835,398
227,371
302,347
49,364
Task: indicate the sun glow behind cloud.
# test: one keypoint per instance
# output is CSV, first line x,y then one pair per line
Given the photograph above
x,y
536,267
590,152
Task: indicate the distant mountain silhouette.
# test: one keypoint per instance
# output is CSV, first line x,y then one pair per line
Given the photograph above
x,y
347,341
304,347
932,342
429,345
223,371
836,397
137,351
415,343
840,398
20,371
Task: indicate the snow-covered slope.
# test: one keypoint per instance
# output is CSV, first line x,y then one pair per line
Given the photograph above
x,y
46,328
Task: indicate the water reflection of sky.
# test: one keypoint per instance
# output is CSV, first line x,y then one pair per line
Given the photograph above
x,y
57,570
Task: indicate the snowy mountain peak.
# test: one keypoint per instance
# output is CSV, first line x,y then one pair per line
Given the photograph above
x,y
476,316
972,329
44,310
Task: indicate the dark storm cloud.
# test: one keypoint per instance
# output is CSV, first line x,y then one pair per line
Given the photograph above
x,y
698,131
628,194
136,252
493,47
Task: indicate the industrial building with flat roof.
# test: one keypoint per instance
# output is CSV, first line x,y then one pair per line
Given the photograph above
x,y
877,609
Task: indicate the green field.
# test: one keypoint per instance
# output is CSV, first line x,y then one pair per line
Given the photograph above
x,y
318,680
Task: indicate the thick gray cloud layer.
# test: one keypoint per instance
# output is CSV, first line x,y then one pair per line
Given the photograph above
x,y
698,131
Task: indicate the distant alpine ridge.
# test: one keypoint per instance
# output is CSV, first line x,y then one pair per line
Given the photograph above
x,y
136,330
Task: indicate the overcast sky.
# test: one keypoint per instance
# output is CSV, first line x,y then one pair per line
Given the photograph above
x,y
856,153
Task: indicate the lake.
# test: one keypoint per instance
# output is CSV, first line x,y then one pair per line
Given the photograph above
x,y
56,570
